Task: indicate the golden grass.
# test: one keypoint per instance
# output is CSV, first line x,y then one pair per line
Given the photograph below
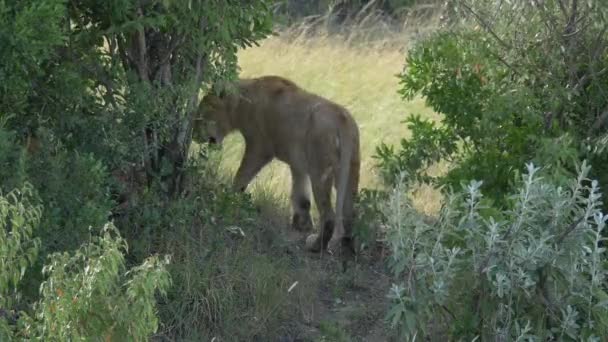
x,y
363,79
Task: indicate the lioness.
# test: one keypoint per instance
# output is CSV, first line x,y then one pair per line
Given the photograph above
x,y
316,137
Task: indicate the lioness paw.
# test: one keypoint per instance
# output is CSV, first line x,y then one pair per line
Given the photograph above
x,y
313,243
334,245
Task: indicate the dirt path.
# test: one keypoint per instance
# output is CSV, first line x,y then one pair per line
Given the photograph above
x,y
348,306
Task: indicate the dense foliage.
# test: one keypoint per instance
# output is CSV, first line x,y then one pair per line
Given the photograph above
x,y
87,294
120,78
96,104
515,82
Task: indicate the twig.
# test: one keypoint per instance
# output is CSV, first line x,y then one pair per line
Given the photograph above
x,y
104,79
445,308
600,121
542,291
125,59
507,64
549,19
140,40
572,20
562,6
570,229
582,82
174,43
485,25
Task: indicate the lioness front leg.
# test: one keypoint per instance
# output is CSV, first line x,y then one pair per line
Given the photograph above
x,y
253,161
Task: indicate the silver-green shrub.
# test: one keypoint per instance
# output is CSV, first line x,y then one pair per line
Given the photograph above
x,y
534,271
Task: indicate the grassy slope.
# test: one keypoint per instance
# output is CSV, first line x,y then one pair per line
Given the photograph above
x,y
362,79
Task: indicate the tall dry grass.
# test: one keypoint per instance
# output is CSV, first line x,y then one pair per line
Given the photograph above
x,y
356,68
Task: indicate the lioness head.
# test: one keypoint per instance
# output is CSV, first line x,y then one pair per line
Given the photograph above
x,y
211,124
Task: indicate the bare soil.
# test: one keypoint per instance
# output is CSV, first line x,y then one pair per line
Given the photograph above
x,y
345,306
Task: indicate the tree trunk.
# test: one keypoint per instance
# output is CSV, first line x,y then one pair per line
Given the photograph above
x,y
149,54
180,144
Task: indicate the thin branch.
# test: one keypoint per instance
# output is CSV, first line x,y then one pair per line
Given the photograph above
x,y
569,230
600,121
550,22
543,292
146,160
600,42
485,25
562,6
174,43
127,62
572,18
183,130
586,79
140,40
507,64
103,78
447,310
99,74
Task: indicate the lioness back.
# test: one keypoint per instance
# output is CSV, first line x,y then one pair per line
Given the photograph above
x,y
285,115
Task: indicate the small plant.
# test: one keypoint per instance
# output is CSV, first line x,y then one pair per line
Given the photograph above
x,y
89,293
332,331
19,218
534,270
368,210
86,294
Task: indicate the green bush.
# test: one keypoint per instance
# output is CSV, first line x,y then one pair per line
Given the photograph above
x,y
19,219
120,79
87,294
108,89
533,271
510,90
368,208
229,271
73,190
13,161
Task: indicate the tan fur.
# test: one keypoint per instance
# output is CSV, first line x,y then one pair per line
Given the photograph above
x,y
316,137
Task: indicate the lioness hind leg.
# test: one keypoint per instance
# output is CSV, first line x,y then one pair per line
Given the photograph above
x,y
321,187
347,243
300,198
